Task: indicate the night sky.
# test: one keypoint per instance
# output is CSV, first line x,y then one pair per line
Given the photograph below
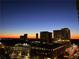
x,y
32,16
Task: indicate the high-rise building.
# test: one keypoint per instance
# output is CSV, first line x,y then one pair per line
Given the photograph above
x,y
46,36
57,35
63,34
36,35
23,37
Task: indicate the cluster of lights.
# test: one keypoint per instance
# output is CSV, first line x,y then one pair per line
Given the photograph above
x,y
40,48
72,51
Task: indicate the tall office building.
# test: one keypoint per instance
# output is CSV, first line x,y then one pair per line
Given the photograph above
x,y
46,36
57,35
36,35
23,37
63,34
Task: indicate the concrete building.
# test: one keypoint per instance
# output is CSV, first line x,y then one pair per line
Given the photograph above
x,y
63,34
57,34
36,35
46,36
23,37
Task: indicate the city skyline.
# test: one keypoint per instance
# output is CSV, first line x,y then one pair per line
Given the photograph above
x,y
31,17
35,35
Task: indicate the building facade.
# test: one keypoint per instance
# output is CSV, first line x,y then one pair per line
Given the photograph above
x,y
37,36
46,36
23,37
63,34
57,34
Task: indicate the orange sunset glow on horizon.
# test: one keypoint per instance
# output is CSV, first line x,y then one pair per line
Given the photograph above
x,y
15,36
73,36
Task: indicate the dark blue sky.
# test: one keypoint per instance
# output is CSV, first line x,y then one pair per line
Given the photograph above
x,y
31,16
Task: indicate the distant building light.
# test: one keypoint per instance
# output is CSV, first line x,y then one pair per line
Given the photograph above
x,y
48,58
55,41
25,44
59,40
44,42
63,40
0,43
